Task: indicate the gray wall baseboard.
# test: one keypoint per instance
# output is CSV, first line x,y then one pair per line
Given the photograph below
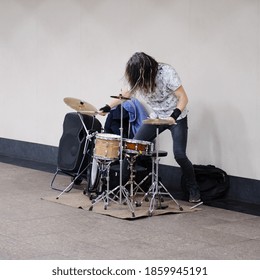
x,y
241,189
28,151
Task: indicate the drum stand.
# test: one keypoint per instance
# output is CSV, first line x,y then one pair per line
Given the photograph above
x,y
104,167
155,188
111,195
79,173
134,186
120,191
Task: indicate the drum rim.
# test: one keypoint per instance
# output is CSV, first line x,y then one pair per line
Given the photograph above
x,y
135,141
99,157
107,136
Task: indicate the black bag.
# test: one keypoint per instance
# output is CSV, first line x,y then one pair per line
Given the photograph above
x,y
213,182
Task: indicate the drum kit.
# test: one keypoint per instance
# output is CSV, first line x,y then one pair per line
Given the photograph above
x,y
109,148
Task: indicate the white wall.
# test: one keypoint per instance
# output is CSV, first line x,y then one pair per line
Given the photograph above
x,y
57,48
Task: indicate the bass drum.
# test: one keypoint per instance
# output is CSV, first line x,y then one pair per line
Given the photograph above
x,y
94,186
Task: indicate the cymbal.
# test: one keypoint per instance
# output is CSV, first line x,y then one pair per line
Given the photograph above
x,y
80,105
120,97
159,121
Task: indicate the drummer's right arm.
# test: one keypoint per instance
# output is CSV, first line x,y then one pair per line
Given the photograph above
x,y
113,103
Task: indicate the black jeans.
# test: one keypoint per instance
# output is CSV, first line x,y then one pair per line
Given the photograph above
x,y
179,134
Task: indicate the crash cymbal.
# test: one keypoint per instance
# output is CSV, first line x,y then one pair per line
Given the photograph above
x,y
80,105
120,97
159,121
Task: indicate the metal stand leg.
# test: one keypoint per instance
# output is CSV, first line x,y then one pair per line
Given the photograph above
x,y
120,189
104,167
111,195
155,189
123,197
70,186
134,186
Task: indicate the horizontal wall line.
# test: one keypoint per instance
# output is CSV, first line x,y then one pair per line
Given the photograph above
x,y
44,157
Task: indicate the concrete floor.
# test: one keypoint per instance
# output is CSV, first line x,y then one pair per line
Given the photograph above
x,y
35,229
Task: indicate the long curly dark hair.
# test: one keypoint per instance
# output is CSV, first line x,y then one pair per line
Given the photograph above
x,y
140,72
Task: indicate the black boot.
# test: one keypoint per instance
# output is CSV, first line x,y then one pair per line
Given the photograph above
x,y
194,196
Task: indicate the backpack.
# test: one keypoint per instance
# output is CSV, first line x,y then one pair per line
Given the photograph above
x,y
213,182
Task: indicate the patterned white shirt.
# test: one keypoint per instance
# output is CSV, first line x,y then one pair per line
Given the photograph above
x,y
163,100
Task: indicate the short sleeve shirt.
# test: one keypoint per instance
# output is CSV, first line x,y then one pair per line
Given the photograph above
x,y
163,100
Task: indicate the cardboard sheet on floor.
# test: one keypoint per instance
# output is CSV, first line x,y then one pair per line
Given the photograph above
x,y
120,210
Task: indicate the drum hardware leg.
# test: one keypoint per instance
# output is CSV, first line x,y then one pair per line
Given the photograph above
x,y
104,166
145,197
157,196
131,182
166,192
121,189
121,196
151,188
138,190
70,186
110,195
157,190
128,202
73,181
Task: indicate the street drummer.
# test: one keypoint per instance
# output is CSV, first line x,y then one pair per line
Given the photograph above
x,y
160,86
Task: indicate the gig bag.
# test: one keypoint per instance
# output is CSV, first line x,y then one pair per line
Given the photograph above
x,y
213,182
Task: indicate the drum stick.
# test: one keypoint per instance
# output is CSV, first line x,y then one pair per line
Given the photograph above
x,y
196,205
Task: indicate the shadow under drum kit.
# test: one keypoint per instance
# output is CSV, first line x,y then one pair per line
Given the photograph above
x,y
109,148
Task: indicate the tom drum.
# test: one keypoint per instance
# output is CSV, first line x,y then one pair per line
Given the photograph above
x,y
132,146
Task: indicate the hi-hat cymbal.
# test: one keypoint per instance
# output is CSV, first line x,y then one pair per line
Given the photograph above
x,y
120,97
80,106
159,121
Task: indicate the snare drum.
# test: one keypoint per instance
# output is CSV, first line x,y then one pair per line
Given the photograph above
x,y
132,146
107,146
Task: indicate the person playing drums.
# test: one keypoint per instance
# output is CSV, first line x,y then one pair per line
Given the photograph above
x,y
161,87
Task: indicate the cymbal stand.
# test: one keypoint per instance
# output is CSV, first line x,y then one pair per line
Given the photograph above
x,y
155,189
88,137
120,191
121,154
123,193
